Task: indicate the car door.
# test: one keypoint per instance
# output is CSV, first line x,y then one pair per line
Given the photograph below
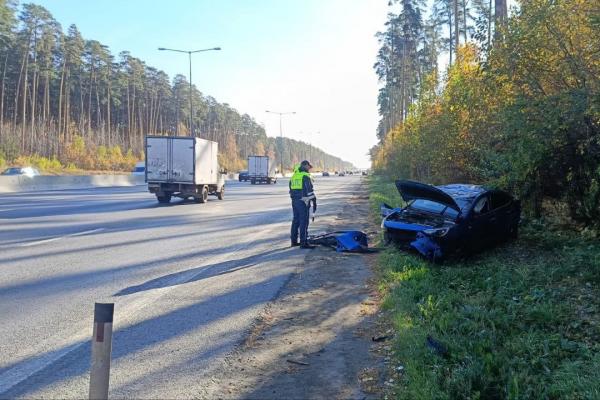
x,y
480,223
506,214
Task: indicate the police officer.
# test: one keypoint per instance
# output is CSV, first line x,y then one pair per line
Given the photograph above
x,y
302,194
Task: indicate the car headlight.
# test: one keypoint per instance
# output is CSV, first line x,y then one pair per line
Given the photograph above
x,y
436,232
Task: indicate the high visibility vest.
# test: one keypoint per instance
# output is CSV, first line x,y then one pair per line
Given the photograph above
x,y
296,180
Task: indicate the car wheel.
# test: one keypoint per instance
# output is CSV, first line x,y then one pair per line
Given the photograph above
x,y
387,238
221,194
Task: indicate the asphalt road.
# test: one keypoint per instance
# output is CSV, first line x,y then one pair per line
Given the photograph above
x,y
188,281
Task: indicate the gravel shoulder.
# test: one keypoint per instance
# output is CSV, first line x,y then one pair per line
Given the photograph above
x,y
316,339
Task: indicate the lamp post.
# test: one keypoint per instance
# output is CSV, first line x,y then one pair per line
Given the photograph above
x,y
281,132
190,52
310,145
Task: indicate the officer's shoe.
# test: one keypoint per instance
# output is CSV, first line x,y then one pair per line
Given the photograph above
x,y
307,246
294,244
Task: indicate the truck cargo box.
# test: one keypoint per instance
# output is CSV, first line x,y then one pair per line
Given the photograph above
x,y
261,169
180,159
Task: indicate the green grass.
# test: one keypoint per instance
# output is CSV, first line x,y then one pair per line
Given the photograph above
x,y
520,321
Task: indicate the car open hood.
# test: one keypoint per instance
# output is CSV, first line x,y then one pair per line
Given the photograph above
x,y
410,190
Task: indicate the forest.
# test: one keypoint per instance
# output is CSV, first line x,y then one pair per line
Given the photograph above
x,y
472,91
67,103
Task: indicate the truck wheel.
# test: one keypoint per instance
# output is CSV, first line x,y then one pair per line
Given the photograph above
x,y
221,194
164,199
253,181
203,196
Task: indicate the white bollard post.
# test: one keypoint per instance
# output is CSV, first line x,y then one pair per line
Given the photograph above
x,y
101,349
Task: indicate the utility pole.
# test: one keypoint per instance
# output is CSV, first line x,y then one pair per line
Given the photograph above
x,y
281,133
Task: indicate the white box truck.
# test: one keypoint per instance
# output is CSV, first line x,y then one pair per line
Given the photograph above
x,y
183,167
261,169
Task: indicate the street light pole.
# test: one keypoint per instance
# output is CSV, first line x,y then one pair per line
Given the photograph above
x,y
281,133
310,145
189,52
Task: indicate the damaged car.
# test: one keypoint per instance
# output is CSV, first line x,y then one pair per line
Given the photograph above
x,y
441,220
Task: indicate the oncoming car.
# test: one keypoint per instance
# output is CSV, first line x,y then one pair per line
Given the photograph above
x,y
243,176
23,171
440,220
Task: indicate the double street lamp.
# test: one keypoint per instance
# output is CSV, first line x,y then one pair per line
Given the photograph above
x,y
190,52
281,132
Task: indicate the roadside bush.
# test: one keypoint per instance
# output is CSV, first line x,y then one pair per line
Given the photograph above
x,y
526,117
42,163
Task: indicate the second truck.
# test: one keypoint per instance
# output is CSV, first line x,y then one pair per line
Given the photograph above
x,y
261,170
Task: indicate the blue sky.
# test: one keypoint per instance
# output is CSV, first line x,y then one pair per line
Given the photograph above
x,y
314,57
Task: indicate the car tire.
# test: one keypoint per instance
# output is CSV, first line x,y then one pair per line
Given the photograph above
x,y
387,238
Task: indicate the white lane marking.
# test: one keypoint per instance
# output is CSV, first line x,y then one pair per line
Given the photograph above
x,y
29,244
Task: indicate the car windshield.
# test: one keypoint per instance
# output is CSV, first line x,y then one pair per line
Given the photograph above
x,y
139,169
12,171
433,207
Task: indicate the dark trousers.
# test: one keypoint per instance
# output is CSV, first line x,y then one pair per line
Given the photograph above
x,y
300,221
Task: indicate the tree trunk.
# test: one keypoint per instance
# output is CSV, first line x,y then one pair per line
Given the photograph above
x,y
456,27
489,38
500,15
108,121
450,34
60,99
465,20
2,95
89,105
24,105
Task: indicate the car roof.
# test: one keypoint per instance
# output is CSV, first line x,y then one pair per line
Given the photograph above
x,y
462,190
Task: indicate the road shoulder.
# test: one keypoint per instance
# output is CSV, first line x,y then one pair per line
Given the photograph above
x,y
315,339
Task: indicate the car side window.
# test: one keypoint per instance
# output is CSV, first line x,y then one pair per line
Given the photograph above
x,y
500,199
482,206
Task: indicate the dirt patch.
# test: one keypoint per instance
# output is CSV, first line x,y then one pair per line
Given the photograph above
x,y
317,339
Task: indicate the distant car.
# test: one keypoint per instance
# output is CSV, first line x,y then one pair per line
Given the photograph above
x,y
364,173
349,172
440,220
342,173
24,171
243,176
140,169
325,173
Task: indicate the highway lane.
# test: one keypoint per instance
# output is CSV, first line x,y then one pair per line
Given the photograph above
x,y
187,280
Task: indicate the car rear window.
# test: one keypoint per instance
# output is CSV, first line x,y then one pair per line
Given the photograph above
x,y
139,169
